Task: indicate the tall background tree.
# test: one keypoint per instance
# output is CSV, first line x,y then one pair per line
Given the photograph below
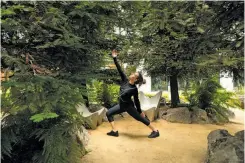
x,y
178,39
229,25
170,33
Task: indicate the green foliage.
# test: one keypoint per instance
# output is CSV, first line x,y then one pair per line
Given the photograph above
x,y
159,83
66,40
165,95
60,144
171,34
210,96
8,138
95,91
70,37
113,89
240,90
42,116
130,69
228,25
55,116
106,97
187,39
204,94
50,95
103,94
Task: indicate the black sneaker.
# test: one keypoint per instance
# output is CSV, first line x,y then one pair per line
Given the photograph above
x,y
113,133
154,134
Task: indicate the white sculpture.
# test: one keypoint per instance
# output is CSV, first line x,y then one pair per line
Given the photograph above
x,y
95,118
150,105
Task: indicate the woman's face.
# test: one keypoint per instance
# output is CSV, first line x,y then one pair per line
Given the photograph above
x,y
134,76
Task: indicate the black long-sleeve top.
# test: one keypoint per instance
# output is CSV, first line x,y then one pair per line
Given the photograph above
x,y
127,90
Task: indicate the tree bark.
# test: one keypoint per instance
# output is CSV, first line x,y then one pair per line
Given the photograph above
x,y
174,90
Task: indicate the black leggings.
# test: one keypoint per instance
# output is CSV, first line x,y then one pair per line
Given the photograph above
x,y
129,109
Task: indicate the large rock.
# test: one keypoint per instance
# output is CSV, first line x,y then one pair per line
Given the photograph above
x,y
83,136
240,135
105,117
180,115
162,102
163,110
199,116
230,114
225,148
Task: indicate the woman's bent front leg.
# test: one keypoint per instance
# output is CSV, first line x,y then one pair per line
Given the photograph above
x,y
110,113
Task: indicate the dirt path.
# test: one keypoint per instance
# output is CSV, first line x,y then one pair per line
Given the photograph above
x,y
178,143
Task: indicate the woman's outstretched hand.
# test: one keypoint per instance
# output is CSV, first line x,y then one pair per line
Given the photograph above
x,y
114,53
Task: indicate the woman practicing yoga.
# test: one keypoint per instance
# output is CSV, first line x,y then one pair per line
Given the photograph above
x,y
127,90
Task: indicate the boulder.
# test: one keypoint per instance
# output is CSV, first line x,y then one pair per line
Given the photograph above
x,y
199,116
230,114
225,148
240,135
163,110
179,115
162,102
83,136
105,117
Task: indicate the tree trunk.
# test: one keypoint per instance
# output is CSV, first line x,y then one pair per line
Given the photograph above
x,y
174,90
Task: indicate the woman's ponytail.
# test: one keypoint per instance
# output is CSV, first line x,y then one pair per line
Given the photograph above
x,y
140,79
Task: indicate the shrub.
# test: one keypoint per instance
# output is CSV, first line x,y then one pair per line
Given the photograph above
x,y
210,96
41,122
103,94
